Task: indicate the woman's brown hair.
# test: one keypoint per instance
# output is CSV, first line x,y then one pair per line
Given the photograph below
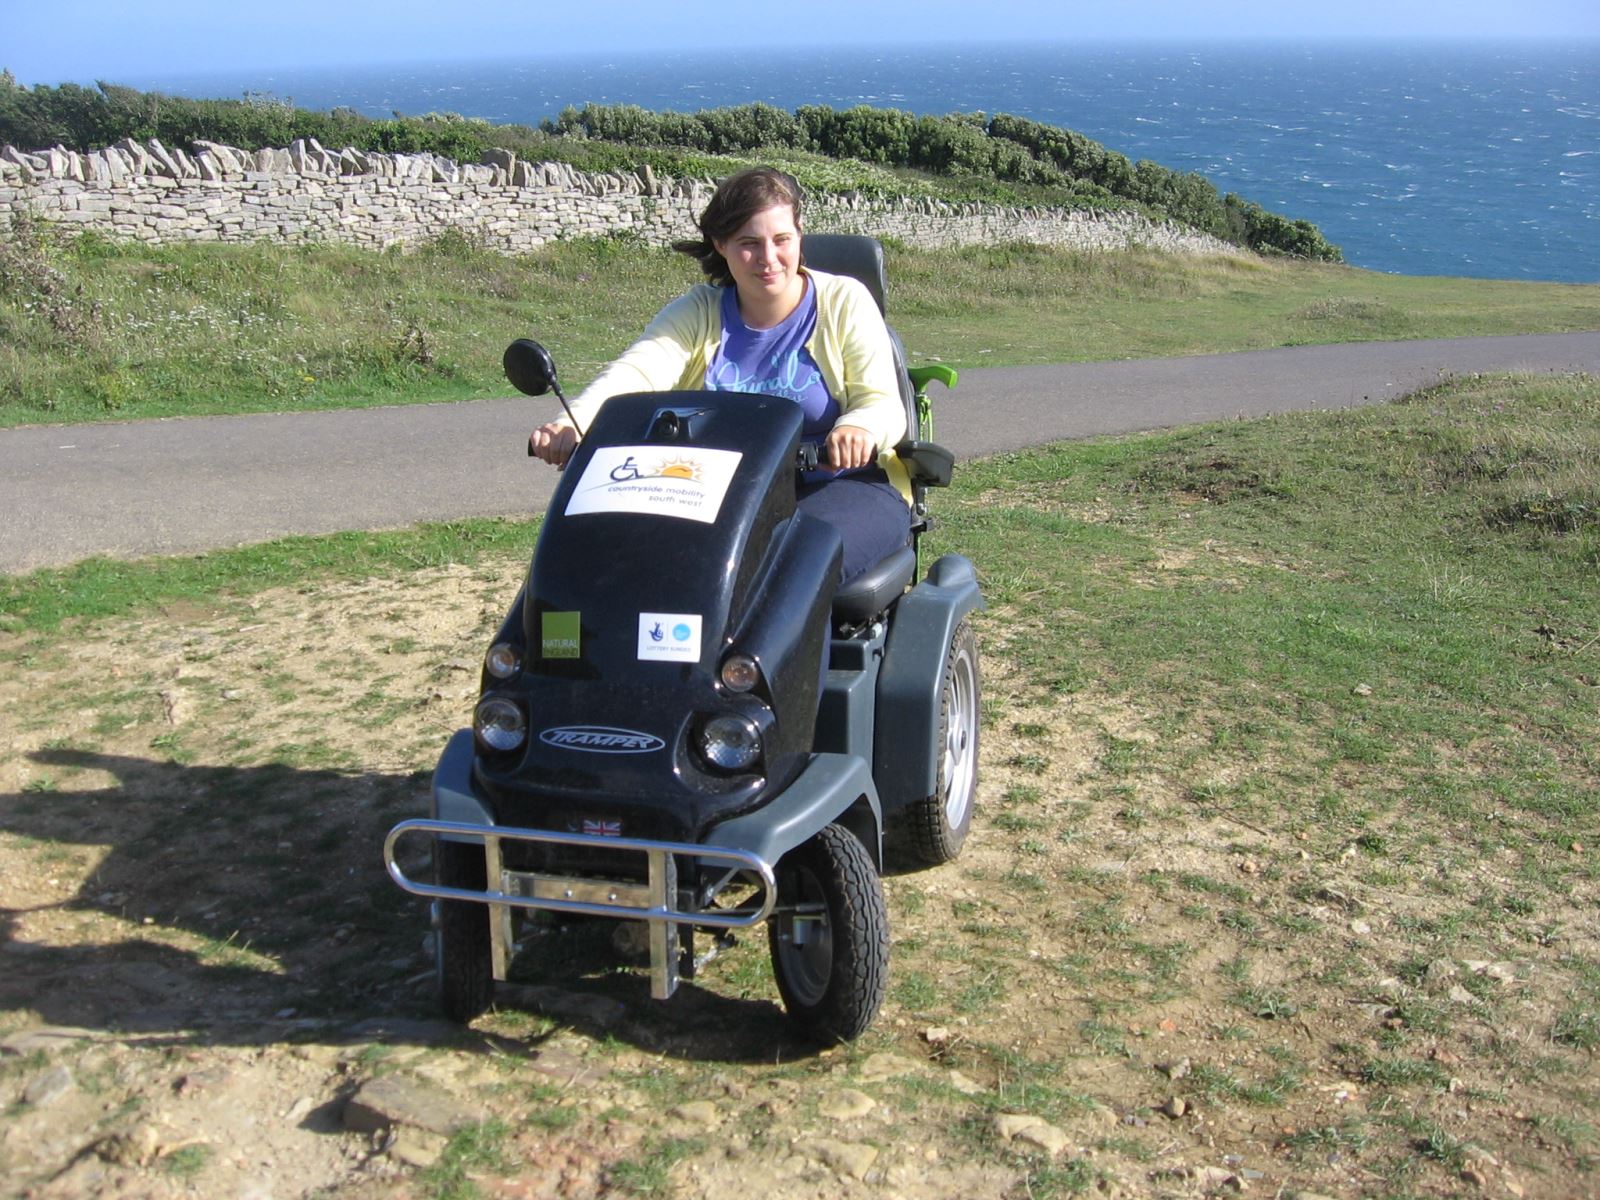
x,y
737,199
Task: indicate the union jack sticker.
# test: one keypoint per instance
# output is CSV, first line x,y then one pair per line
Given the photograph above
x,y
602,828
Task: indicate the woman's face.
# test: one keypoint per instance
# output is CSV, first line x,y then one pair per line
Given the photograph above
x,y
764,259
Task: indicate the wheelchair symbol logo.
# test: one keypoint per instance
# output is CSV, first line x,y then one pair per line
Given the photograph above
x,y
682,468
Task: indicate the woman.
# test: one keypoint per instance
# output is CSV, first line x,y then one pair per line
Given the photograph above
x,y
764,323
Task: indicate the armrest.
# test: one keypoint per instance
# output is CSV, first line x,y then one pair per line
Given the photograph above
x,y
927,462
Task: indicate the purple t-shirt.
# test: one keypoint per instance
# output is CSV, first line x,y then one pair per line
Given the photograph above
x,y
774,362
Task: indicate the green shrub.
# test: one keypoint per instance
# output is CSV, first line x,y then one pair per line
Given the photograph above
x,y
995,154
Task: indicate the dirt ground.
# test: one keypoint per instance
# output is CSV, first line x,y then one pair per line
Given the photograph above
x,y
208,987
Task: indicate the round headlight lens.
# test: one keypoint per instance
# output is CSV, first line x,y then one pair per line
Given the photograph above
x,y
740,673
500,724
503,660
730,743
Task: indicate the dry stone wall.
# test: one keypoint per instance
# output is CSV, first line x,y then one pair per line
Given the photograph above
x,y
144,191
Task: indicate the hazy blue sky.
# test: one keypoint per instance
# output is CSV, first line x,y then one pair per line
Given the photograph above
x,y
85,40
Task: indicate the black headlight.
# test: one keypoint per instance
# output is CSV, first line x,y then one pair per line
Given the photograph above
x,y
730,742
500,723
504,660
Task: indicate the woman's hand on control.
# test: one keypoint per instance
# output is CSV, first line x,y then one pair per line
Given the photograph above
x,y
553,442
850,446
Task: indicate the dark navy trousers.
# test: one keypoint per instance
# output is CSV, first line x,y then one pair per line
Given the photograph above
x,y
872,518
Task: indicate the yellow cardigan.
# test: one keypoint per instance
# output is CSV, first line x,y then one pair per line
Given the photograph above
x,y
850,344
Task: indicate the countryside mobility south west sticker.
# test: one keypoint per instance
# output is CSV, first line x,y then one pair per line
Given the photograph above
x,y
666,481
669,637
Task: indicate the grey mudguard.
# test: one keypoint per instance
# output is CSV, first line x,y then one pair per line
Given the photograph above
x,y
831,788
453,797
905,752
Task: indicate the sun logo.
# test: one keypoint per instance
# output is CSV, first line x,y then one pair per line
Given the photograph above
x,y
679,468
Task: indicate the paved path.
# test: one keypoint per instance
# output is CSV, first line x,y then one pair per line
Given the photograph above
x,y
199,483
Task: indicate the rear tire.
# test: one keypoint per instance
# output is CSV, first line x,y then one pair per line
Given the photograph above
x,y
938,824
831,958
462,958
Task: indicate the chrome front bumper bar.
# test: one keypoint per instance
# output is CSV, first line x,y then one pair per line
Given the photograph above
x,y
655,901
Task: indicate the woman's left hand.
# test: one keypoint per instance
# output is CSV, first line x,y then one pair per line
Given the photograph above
x,y
850,446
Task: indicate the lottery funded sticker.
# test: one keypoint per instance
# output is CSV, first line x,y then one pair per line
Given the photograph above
x,y
665,481
669,637
560,634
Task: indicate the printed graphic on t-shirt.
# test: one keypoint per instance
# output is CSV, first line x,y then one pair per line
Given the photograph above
x,y
774,362
781,375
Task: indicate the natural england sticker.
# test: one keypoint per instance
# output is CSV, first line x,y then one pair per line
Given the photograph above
x,y
665,481
560,634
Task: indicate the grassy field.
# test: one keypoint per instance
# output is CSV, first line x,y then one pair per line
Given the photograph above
x,y
1285,867
1025,304
1287,857
90,330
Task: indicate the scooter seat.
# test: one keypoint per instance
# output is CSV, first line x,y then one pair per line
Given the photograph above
x,y
869,593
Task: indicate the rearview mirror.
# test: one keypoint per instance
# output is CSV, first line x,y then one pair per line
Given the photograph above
x,y
529,367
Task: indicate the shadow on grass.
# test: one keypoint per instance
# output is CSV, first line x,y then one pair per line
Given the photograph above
x,y
249,905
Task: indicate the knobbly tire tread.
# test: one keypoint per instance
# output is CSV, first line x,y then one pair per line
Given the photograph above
x,y
859,925
932,839
464,963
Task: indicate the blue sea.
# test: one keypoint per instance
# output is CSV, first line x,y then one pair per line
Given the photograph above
x,y
1418,158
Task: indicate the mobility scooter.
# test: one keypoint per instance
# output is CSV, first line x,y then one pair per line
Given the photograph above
x,y
684,722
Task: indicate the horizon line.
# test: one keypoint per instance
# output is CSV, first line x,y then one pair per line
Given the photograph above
x,y
628,54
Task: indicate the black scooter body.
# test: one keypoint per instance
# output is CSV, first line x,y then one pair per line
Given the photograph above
x,y
759,578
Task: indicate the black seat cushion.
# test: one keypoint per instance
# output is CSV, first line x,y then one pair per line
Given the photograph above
x,y
869,593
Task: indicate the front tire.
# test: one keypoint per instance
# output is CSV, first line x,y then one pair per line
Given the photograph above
x,y
830,937
939,824
463,960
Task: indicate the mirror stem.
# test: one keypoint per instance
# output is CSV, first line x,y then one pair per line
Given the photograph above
x,y
567,408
